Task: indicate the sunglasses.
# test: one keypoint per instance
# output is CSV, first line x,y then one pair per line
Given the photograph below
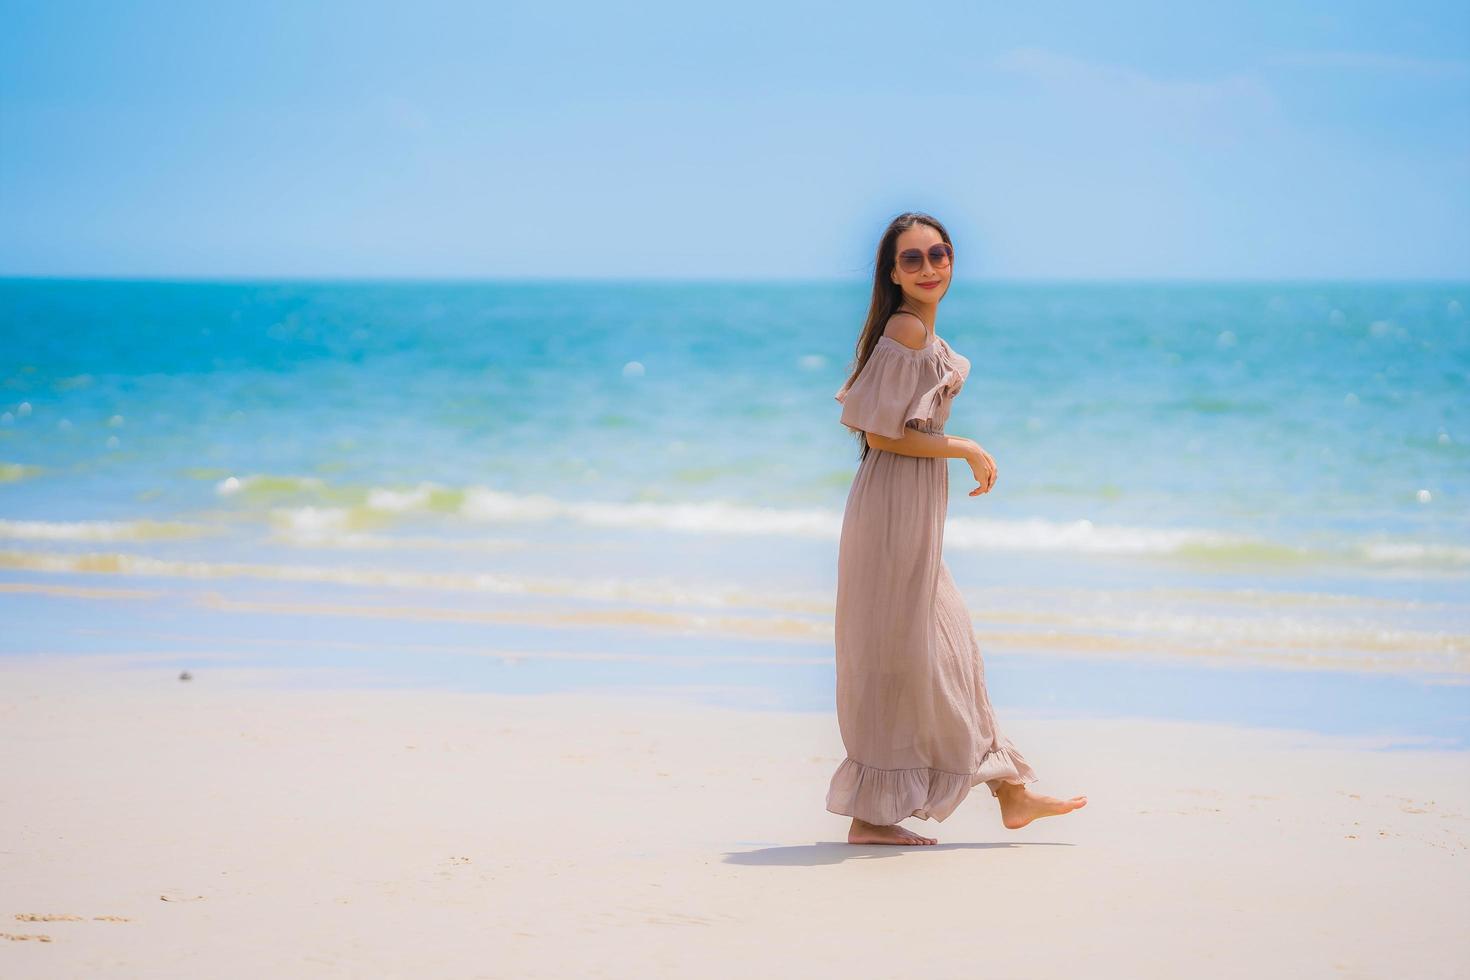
x,y
912,259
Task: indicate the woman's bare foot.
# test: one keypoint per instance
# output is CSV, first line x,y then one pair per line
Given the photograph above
x,y
862,832
1019,806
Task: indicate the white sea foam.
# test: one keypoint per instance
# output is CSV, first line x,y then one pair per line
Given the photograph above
x,y
233,485
1387,551
1037,534
399,501
375,506
1171,624
715,517
100,530
311,520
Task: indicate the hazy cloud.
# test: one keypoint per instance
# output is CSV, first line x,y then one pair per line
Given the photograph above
x,y
1368,61
1210,108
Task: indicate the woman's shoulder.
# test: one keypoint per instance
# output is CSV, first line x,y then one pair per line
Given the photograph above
x,y
907,329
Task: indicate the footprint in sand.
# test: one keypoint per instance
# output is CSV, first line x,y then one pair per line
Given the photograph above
x,y
66,917
52,917
46,917
61,917
452,862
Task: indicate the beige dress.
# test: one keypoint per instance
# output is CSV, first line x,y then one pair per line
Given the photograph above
x,y
911,702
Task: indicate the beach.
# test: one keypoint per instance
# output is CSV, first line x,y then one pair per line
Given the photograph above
x,y
420,557
242,824
507,617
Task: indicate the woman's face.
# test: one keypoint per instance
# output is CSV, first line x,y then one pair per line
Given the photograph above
x,y
927,284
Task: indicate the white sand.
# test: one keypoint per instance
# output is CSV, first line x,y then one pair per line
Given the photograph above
x,y
246,832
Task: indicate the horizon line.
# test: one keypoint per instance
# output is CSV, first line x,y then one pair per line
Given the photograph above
x,y
367,279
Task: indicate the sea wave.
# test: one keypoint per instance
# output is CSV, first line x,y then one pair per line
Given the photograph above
x,y
1223,625
141,530
339,515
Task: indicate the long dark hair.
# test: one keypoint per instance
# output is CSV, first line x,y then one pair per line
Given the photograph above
x,y
887,294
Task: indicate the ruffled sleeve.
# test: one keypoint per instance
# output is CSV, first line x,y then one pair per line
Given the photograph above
x,y
879,399
932,406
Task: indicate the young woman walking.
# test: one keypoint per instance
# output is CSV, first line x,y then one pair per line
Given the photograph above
x,y
911,702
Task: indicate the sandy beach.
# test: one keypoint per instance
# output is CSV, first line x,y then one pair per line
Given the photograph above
x,y
241,824
452,534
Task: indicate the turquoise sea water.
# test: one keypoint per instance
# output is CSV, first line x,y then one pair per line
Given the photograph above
x,y
1271,475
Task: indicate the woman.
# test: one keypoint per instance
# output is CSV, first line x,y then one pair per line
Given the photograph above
x,y
911,700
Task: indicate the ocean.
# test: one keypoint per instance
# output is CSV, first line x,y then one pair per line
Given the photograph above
x,y
639,486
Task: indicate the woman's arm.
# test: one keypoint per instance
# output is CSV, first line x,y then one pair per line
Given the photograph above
x,y
916,443
931,444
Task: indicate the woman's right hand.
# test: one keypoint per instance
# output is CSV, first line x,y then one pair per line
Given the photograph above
x,y
983,466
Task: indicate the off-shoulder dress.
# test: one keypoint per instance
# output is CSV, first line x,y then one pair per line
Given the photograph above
x,y
915,717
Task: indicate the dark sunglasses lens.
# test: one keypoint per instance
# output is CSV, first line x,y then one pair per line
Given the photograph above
x,y
912,260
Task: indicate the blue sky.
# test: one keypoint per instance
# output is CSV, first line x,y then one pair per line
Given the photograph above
x,y
1072,140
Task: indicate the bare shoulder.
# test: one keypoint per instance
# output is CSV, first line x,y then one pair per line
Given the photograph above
x,y
907,329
